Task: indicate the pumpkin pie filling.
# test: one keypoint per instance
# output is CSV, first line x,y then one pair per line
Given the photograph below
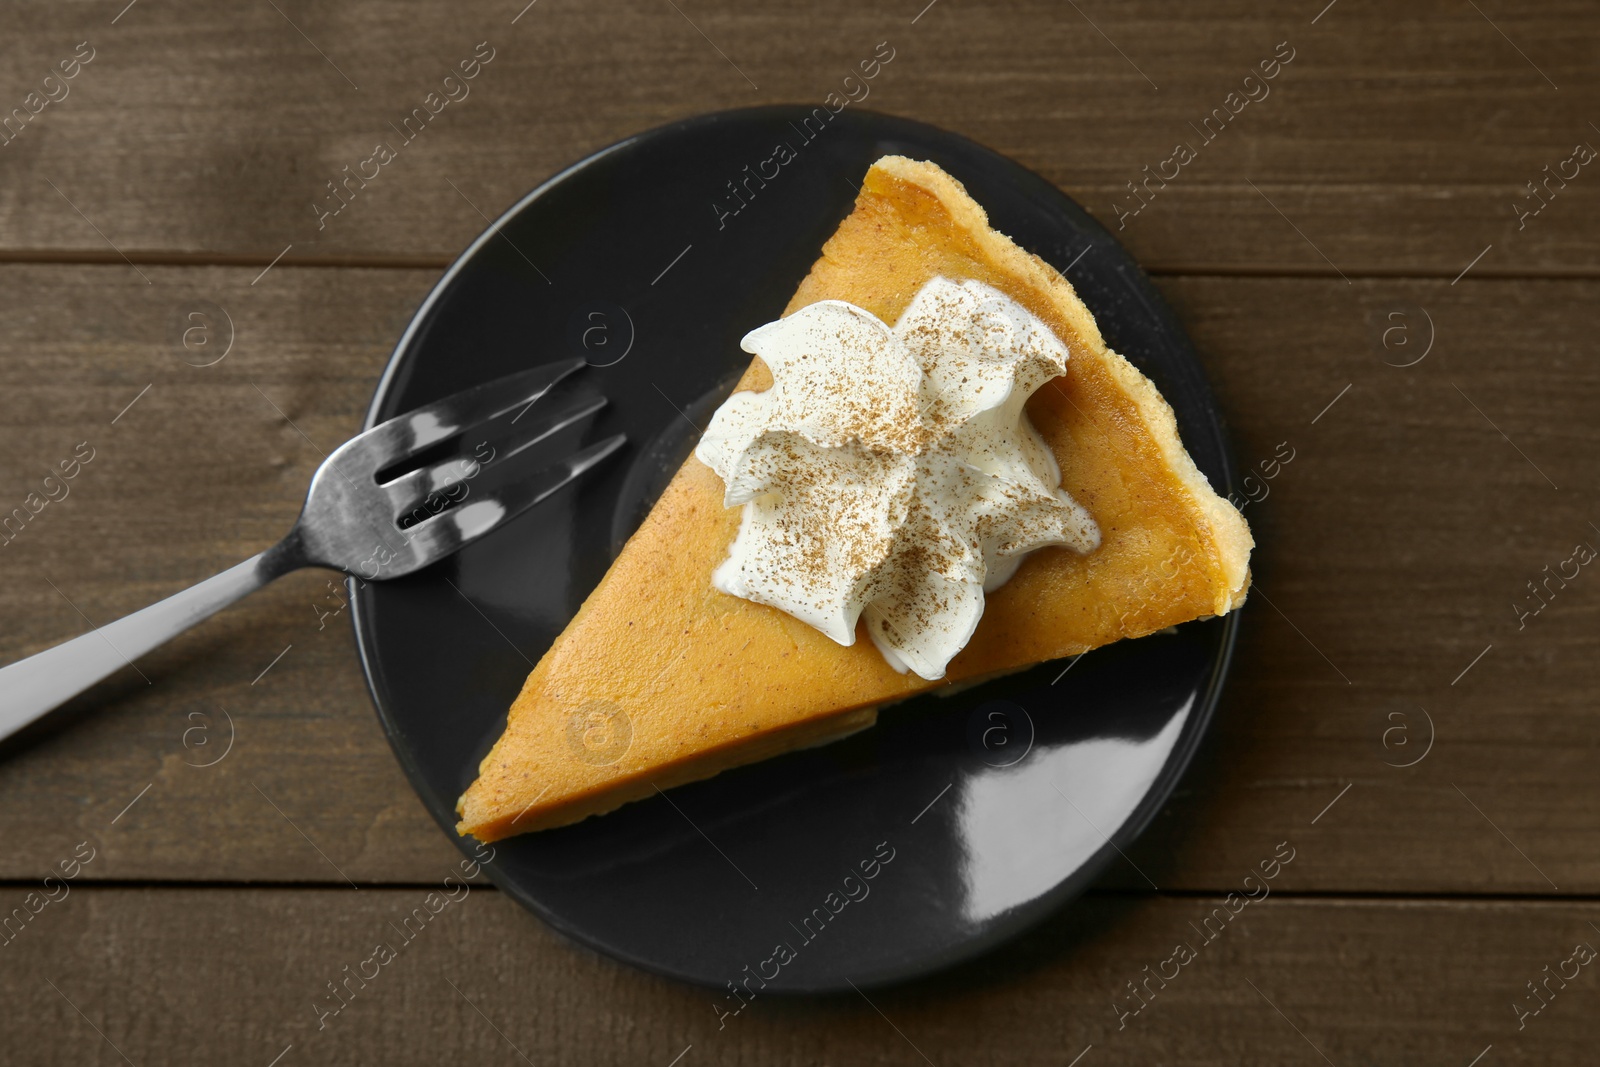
x,y
661,678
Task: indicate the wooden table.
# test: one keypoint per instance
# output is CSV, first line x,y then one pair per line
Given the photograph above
x,y
1357,253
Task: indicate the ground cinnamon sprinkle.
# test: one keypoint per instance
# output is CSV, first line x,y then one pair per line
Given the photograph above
x,y
892,471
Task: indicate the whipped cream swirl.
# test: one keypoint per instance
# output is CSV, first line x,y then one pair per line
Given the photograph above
x,y
892,472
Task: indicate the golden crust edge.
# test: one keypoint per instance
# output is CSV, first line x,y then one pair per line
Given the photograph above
x,y
1224,526
702,765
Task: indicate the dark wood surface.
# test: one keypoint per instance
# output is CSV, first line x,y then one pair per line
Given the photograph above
x,y
1391,550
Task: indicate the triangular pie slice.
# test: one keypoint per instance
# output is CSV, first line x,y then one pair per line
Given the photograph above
x,y
660,679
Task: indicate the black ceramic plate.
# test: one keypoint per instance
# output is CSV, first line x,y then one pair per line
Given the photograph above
x,y
975,814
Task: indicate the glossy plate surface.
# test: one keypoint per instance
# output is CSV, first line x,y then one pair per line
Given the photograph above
x,y
975,814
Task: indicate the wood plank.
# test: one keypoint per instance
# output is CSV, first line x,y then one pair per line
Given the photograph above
x,y
1397,541
203,131
1392,551
1287,981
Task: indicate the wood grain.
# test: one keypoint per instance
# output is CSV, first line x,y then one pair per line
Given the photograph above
x,y
236,976
1310,248
1391,550
206,131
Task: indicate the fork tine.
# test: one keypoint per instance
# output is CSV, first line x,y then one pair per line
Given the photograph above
x,y
415,488
405,435
442,534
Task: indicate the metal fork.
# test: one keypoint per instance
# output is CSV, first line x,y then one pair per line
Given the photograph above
x,y
350,523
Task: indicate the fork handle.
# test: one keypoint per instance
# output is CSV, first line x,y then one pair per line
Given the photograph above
x,y
46,680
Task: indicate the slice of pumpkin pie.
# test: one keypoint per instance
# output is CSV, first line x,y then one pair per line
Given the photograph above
x,y
933,471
